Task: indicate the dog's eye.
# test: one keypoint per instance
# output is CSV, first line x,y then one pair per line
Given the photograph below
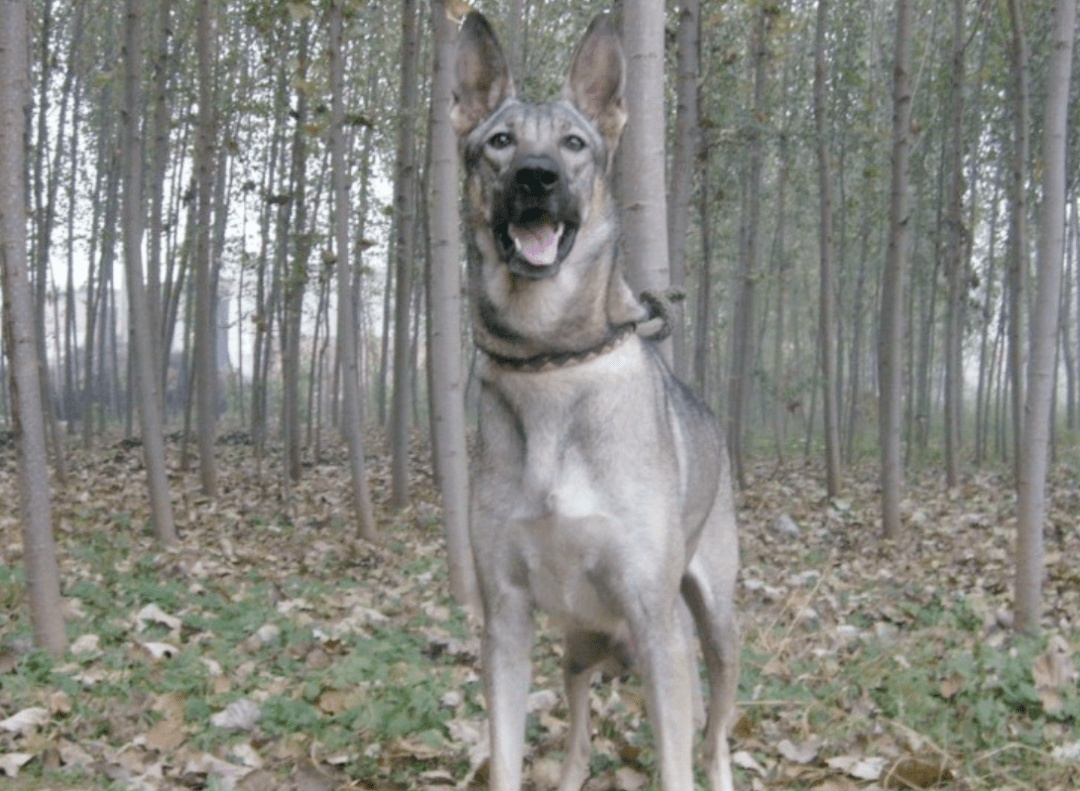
x,y
573,143
500,140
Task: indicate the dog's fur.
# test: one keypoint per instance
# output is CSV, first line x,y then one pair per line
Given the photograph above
x,y
601,491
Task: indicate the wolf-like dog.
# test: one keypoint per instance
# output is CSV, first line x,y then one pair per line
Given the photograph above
x,y
601,487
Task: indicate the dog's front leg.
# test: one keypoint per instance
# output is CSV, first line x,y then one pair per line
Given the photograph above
x,y
506,647
665,660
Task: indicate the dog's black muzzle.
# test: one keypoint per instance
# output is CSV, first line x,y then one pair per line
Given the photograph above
x,y
535,217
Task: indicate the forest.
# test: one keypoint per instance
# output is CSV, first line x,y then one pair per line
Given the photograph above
x,y
238,400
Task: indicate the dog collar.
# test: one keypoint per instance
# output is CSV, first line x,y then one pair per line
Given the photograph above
x,y
551,361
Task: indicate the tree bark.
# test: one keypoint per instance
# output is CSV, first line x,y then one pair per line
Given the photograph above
x,y
146,372
742,332
1018,242
826,297
205,316
405,211
1031,494
20,344
683,160
351,419
447,365
641,154
955,254
891,333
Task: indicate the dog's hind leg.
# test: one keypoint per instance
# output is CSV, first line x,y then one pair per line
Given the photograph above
x,y
586,654
508,632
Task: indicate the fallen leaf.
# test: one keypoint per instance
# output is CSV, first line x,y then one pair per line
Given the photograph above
x,y
25,721
151,613
802,753
859,767
11,763
1053,671
240,715
916,773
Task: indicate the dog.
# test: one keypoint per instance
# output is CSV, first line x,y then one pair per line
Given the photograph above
x,y
601,486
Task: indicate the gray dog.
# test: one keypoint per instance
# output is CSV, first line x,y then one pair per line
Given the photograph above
x,y
601,492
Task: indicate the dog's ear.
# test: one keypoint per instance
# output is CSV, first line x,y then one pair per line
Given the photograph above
x,y
595,82
483,80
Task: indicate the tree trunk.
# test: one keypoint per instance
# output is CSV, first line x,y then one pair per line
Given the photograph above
x,y
20,344
447,366
641,155
405,211
826,297
205,324
1031,494
146,372
955,254
683,162
351,420
742,332
891,334
1018,243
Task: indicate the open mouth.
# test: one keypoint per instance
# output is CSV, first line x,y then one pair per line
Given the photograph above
x,y
534,246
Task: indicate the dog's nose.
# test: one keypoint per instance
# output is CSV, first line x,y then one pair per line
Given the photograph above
x,y
536,176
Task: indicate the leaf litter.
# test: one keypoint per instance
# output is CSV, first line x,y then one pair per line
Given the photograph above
x,y
272,649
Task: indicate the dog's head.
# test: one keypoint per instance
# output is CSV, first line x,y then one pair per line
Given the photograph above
x,y
537,169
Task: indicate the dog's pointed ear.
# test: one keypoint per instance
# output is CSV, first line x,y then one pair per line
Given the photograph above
x,y
597,75
483,80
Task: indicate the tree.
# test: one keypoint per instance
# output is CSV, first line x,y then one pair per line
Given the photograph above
x,y
955,255
351,418
1031,494
891,332
20,343
405,219
205,325
683,160
642,151
1018,234
146,371
447,368
742,331
826,297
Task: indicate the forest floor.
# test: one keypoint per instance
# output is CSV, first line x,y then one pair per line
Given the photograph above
x,y
271,649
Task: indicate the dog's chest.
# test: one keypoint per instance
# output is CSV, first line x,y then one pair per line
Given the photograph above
x,y
572,506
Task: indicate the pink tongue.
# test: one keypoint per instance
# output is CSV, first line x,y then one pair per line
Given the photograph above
x,y
539,246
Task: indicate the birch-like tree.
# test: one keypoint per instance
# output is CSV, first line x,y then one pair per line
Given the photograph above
x,y
891,332
146,370
1031,491
20,342
351,414
447,367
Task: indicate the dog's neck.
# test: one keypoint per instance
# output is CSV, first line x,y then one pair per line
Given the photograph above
x,y
551,361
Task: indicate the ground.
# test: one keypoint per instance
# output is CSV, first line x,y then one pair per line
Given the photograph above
x,y
272,649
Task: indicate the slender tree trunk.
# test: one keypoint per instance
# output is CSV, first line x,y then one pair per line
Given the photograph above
x,y
955,254
447,365
405,215
826,298
742,334
684,159
1018,243
641,154
351,421
891,334
20,344
1031,494
205,362
146,372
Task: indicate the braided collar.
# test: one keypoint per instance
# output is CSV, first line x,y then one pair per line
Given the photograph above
x,y
551,361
